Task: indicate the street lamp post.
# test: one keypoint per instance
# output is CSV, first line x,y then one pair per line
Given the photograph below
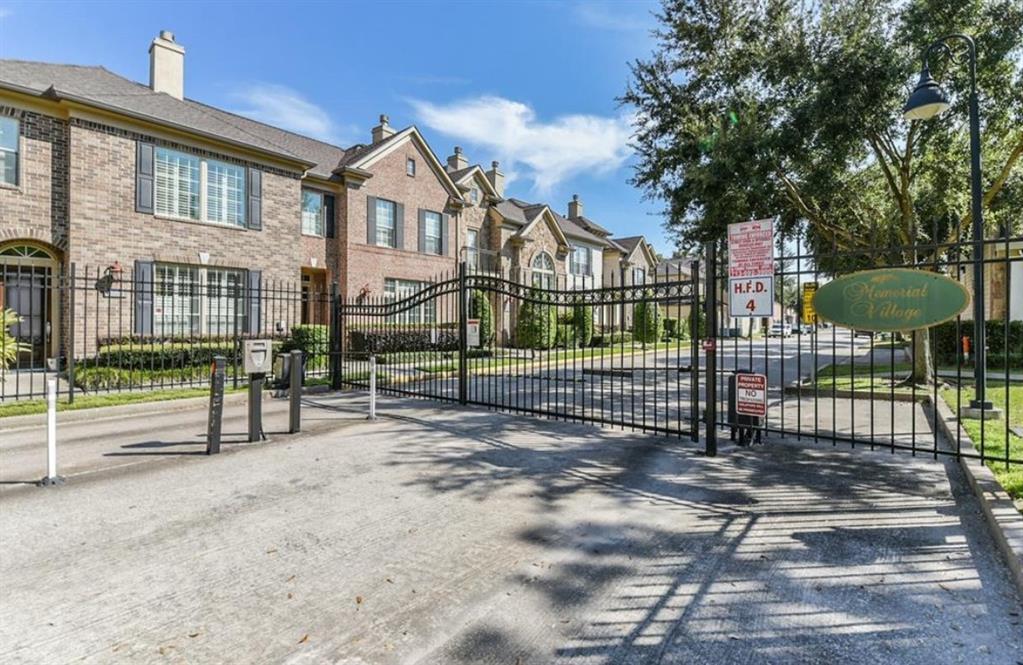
x,y
927,101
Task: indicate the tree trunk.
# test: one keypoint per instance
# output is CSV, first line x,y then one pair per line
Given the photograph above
x,y
920,350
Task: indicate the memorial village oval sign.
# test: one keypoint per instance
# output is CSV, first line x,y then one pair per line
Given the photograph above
x,y
891,299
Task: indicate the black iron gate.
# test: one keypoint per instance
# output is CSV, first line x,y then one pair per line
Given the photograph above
x,y
620,354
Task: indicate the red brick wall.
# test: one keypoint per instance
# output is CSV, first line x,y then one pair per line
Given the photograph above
x,y
368,265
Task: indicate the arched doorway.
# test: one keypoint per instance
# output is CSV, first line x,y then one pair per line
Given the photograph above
x,y
29,271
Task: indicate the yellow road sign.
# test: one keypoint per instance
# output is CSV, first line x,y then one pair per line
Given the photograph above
x,y
809,313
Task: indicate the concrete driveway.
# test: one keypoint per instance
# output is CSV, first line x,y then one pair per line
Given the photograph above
x,y
448,535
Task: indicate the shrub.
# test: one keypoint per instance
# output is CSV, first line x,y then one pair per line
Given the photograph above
x,y
947,344
480,308
537,327
10,347
611,338
401,340
647,322
582,321
314,342
566,336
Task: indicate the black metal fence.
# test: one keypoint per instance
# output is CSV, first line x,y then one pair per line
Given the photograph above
x,y
539,342
100,331
832,384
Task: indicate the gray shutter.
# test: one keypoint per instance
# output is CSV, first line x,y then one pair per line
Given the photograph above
x,y
328,211
371,220
144,187
255,211
253,300
444,224
399,226
143,292
422,230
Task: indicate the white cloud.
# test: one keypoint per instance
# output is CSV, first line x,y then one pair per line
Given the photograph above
x,y
545,152
283,107
616,16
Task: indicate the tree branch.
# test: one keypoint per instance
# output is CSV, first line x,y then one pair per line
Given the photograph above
x,y
996,186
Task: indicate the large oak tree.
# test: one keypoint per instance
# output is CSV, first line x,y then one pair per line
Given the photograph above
x,y
793,109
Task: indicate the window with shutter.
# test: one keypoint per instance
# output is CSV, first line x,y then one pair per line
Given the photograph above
x,y
386,214
313,213
9,144
188,187
432,232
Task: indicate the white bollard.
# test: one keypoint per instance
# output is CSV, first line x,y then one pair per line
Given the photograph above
x,y
51,434
372,387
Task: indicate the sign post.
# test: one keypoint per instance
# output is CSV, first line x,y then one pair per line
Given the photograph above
x,y
751,269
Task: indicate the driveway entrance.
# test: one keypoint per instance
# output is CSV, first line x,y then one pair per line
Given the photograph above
x,y
455,535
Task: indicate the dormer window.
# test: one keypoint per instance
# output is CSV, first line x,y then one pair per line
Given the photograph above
x,y
410,167
474,196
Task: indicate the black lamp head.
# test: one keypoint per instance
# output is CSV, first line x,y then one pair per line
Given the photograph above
x,y
927,100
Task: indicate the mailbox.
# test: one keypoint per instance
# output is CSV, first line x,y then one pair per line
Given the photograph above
x,y
257,356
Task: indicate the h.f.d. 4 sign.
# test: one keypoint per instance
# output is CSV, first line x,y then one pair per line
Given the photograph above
x,y
751,296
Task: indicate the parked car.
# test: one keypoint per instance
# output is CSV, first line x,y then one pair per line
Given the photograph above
x,y
780,330
804,329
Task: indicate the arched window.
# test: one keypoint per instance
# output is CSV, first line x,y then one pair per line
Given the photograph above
x,y
543,271
25,252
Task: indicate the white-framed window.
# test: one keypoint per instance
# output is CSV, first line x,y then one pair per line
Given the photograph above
x,y
410,166
474,195
638,276
386,214
9,145
396,290
581,261
189,187
313,213
543,271
472,247
197,300
432,231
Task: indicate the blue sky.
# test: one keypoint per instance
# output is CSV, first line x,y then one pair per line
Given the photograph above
x,y
532,84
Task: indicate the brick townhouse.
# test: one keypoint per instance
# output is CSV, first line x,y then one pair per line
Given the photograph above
x,y
104,173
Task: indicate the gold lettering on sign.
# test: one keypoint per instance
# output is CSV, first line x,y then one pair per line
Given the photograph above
x,y
876,302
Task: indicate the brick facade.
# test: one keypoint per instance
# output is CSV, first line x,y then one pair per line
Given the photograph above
x,y
37,208
365,265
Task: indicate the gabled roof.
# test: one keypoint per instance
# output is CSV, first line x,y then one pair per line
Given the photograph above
x,y
363,157
462,176
632,243
98,87
521,212
590,225
527,216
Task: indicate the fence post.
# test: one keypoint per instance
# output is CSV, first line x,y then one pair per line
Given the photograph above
x,y
463,321
336,334
710,349
70,331
372,387
694,355
295,375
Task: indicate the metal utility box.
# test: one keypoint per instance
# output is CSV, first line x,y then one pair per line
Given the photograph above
x,y
257,356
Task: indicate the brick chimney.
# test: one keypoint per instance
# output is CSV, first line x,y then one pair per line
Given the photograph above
x,y
383,130
575,207
496,179
457,161
167,65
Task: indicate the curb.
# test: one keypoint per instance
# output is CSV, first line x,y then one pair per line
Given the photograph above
x,y
1004,521
807,390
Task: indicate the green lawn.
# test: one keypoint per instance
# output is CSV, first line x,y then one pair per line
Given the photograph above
x,y
1011,402
861,378
110,399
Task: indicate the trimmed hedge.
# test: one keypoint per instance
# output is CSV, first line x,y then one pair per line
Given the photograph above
x,y
612,338
947,345
537,326
647,322
582,321
480,308
397,340
314,342
566,336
